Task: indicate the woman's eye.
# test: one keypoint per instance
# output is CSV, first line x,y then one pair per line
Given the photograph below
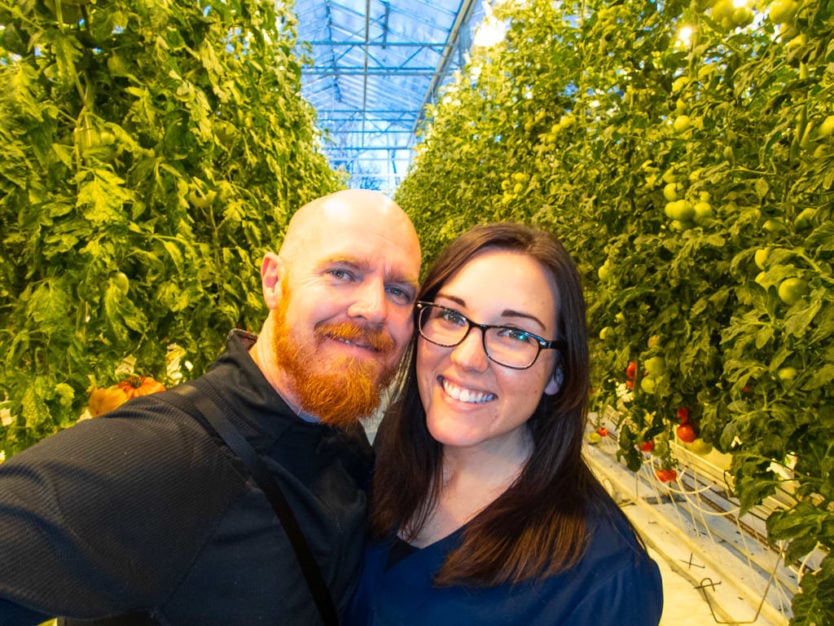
x,y
452,317
514,334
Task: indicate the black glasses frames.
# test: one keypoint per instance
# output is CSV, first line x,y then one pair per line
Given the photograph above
x,y
520,357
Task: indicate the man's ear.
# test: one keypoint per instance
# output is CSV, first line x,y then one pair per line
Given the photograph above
x,y
272,272
555,383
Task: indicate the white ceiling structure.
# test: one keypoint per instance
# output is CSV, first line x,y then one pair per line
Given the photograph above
x,y
375,65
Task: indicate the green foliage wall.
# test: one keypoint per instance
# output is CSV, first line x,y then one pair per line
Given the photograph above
x,y
694,183
152,151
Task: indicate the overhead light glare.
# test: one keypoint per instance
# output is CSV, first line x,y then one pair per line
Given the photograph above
x,y
685,35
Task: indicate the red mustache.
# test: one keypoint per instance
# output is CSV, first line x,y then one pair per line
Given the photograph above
x,y
376,340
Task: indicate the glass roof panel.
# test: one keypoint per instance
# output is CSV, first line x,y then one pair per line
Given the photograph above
x,y
375,65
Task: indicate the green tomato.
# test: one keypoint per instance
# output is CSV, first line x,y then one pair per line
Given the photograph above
x,y
670,191
656,366
606,333
680,210
787,373
791,290
742,16
679,83
121,282
760,257
648,385
805,219
783,11
773,226
699,446
722,10
703,211
682,123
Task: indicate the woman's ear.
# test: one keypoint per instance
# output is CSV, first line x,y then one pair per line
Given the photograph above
x,y
272,271
555,383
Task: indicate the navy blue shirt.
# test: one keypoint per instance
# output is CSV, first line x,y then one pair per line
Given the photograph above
x,y
615,584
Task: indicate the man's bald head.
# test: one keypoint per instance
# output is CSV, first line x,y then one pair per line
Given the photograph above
x,y
341,296
328,214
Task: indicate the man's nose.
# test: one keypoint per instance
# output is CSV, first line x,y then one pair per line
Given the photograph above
x,y
369,303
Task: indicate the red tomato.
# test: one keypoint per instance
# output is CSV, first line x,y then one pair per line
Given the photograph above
x,y
647,446
603,431
686,433
666,475
140,386
630,384
631,370
683,415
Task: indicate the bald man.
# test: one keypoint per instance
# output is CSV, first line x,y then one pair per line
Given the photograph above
x,y
145,516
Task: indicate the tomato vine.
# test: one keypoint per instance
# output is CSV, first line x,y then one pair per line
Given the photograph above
x,y
152,152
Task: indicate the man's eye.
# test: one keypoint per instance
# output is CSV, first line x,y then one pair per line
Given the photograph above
x,y
341,274
399,295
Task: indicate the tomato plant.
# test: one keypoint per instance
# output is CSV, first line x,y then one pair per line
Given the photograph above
x,y
153,151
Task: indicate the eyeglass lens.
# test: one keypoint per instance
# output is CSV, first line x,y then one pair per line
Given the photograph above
x,y
506,345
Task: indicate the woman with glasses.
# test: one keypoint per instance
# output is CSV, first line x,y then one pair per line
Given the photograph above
x,y
484,511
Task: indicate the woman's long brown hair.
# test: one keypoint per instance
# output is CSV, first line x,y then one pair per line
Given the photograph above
x,y
539,525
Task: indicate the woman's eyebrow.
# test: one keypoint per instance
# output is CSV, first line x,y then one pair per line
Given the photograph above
x,y
505,313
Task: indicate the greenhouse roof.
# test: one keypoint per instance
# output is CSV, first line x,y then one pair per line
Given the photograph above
x,y
375,65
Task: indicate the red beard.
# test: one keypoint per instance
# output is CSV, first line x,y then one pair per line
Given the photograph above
x,y
338,391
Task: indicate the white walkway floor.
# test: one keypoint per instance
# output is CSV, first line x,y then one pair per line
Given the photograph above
x,y
733,570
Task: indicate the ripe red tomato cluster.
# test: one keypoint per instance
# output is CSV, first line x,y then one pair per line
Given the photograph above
x,y
631,372
666,475
685,432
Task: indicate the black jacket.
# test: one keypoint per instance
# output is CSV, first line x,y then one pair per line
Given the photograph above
x,y
144,513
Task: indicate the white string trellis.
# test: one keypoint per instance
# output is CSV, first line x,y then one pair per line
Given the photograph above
x,y
698,502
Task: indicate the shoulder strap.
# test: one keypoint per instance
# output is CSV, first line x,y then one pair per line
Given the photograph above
x,y
263,477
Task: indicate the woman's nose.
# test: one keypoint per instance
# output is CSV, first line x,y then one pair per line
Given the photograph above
x,y
470,352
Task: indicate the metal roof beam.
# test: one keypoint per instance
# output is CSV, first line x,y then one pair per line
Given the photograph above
x,y
369,148
464,13
359,70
